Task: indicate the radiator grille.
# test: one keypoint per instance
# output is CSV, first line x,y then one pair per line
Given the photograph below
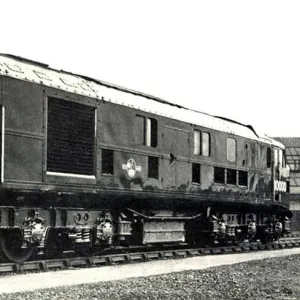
x,y
70,137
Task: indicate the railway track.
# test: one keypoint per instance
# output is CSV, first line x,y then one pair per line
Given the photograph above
x,y
134,257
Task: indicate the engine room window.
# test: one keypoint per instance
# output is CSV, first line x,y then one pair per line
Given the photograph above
x,y
139,130
268,157
275,157
146,131
243,178
153,167
205,143
201,143
195,173
107,161
283,159
231,176
280,158
197,142
151,136
231,149
70,137
219,175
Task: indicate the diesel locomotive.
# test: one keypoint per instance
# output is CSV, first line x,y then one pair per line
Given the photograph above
x,y
88,166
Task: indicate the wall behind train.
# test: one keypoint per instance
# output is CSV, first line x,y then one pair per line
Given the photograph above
x,y
292,145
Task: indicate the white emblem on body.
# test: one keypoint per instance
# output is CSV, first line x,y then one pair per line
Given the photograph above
x,y
280,186
131,167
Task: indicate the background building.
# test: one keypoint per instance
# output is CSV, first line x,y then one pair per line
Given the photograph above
x,y
292,145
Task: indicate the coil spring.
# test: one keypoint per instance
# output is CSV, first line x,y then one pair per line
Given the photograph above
x,y
85,235
287,225
230,230
27,234
78,236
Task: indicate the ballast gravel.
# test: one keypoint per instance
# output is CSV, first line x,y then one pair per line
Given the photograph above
x,y
273,278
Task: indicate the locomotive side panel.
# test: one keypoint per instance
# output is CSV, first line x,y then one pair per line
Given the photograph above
x,y
24,102
260,181
2,126
184,176
128,142
243,153
130,170
23,159
112,130
164,151
23,143
175,139
175,148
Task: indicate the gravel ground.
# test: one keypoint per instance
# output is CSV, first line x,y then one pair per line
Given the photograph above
x,y
275,278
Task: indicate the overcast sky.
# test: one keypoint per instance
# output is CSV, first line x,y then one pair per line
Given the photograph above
x,y
238,59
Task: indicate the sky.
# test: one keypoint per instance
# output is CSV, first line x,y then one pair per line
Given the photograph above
x,y
236,59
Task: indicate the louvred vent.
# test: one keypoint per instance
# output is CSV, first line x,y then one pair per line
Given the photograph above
x,y
70,137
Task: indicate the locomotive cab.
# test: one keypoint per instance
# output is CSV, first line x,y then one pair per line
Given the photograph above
x,y
280,174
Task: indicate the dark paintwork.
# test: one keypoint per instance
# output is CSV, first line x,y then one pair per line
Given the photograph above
x,y
25,156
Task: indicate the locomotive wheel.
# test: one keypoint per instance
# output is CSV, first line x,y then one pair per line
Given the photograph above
x,y
86,251
267,239
240,238
207,240
11,246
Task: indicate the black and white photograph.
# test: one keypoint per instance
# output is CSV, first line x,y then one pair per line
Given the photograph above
x,y
149,150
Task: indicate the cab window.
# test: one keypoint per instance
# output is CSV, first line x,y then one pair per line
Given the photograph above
x,y
146,131
275,157
268,157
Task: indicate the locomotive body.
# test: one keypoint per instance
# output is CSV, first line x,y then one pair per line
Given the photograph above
x,y
86,164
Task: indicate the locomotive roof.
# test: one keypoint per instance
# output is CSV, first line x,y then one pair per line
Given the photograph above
x,y
40,73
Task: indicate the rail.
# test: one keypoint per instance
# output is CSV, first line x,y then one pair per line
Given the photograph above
x,y
134,257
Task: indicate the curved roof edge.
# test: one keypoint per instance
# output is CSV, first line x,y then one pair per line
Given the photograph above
x,y
40,73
